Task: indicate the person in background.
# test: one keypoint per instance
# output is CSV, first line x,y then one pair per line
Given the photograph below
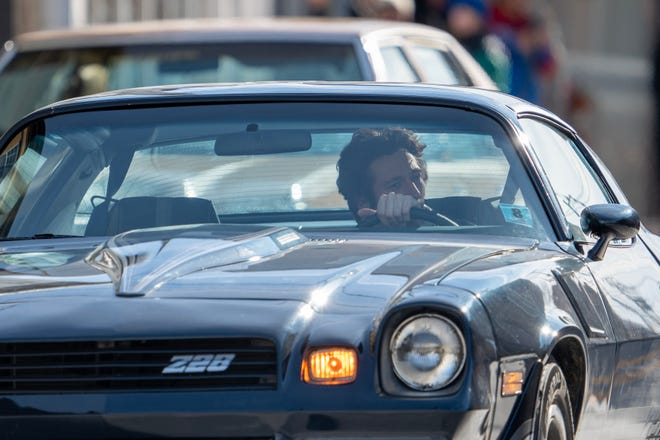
x,y
329,8
527,38
396,10
382,173
467,21
431,12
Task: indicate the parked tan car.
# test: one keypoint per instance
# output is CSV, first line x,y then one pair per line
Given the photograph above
x,y
42,67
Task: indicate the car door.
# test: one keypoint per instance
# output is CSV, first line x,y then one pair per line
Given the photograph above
x,y
627,277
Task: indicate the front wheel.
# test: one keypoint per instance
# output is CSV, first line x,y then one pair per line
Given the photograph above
x,y
553,417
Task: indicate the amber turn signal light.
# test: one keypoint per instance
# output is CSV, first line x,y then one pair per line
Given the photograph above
x,y
512,383
330,366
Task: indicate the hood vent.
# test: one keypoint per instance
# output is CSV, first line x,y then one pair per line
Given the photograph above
x,y
138,365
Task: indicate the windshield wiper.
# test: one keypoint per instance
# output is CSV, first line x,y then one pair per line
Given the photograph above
x,y
46,236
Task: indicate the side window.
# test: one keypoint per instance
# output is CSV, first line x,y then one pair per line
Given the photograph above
x,y
572,178
17,165
398,68
437,66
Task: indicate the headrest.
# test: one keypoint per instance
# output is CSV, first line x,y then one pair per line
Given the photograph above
x,y
148,212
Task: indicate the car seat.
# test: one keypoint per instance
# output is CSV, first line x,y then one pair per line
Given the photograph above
x,y
112,217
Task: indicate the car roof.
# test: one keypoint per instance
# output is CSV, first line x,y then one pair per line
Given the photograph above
x,y
212,29
468,97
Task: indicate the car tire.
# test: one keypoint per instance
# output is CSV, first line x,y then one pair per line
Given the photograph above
x,y
553,415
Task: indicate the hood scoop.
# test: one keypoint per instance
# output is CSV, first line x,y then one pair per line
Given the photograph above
x,y
138,264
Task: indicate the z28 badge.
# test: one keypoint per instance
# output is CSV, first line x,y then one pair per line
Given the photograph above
x,y
199,363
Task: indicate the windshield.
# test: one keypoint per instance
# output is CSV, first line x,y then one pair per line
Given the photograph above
x,y
100,173
35,79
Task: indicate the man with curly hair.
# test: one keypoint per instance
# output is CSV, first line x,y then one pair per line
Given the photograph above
x,y
382,174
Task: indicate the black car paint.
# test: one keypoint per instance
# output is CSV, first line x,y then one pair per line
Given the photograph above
x,y
518,303
267,286
276,306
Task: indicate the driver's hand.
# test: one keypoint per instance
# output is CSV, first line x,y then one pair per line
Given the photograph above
x,y
393,209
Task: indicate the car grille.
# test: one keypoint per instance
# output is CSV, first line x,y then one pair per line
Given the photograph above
x,y
75,366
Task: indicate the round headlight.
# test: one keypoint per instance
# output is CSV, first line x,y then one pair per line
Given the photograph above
x,y
428,352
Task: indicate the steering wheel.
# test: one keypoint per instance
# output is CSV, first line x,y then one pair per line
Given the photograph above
x,y
426,214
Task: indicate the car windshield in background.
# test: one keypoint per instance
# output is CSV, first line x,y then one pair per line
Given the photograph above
x,y
36,79
92,173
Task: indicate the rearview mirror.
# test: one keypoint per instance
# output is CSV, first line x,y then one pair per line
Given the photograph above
x,y
254,141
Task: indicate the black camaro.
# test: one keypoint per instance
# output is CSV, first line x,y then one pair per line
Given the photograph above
x,y
223,261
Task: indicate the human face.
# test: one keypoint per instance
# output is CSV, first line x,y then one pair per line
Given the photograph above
x,y
399,173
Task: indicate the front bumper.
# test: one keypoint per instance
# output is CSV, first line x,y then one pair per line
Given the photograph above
x,y
210,415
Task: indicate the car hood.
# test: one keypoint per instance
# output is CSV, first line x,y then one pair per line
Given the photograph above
x,y
229,262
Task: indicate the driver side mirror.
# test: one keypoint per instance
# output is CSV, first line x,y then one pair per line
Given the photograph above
x,y
608,222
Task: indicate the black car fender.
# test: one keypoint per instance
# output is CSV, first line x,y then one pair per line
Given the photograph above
x,y
556,333
515,416
535,325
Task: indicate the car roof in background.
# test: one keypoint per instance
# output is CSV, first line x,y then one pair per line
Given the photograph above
x,y
238,29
